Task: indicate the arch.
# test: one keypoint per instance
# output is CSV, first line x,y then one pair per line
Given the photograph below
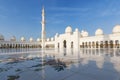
x,y
93,44
4,45
0,46
106,44
72,44
85,44
97,45
111,44
15,45
89,44
116,44
101,44
7,45
58,45
64,44
18,45
82,44
40,46
10,45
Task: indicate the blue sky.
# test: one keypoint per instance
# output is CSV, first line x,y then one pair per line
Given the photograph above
x,y
23,17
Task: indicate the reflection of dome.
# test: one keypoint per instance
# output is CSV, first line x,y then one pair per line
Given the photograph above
x,y
68,30
99,62
13,38
31,39
1,37
116,29
84,33
116,63
117,66
84,61
22,39
99,32
38,39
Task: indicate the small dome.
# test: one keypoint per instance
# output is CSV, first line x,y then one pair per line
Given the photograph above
x,y
68,29
56,34
13,38
116,29
52,39
85,34
82,31
31,39
99,32
48,39
76,30
38,39
22,39
1,37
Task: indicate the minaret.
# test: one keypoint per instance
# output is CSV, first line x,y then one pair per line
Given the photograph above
x,y
43,32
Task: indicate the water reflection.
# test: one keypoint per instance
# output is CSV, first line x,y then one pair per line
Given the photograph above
x,y
9,50
43,71
86,64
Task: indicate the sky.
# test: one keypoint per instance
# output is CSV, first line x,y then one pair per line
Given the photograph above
x,y
23,17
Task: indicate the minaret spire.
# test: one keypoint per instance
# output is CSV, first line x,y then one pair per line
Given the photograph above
x,y
43,32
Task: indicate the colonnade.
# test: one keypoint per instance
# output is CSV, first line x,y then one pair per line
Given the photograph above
x,y
101,44
13,45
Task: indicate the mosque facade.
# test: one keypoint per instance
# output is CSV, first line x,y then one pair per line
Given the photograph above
x,y
70,39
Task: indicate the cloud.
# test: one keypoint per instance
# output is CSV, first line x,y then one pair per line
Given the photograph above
x,y
61,12
69,9
110,12
54,21
112,9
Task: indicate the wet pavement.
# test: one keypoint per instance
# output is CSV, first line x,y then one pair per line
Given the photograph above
x,y
86,64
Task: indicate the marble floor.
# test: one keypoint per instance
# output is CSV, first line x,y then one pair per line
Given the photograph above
x,y
86,64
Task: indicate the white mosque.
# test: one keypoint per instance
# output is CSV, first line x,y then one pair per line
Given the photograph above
x,y
70,39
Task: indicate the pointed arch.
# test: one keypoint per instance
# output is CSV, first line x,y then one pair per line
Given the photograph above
x,y
64,44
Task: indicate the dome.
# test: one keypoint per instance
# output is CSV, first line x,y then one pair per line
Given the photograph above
x,y
82,31
99,32
31,39
68,30
52,39
13,38
38,39
76,30
116,29
48,39
22,39
1,37
85,34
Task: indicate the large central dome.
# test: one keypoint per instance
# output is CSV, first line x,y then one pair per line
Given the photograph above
x,y
68,29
